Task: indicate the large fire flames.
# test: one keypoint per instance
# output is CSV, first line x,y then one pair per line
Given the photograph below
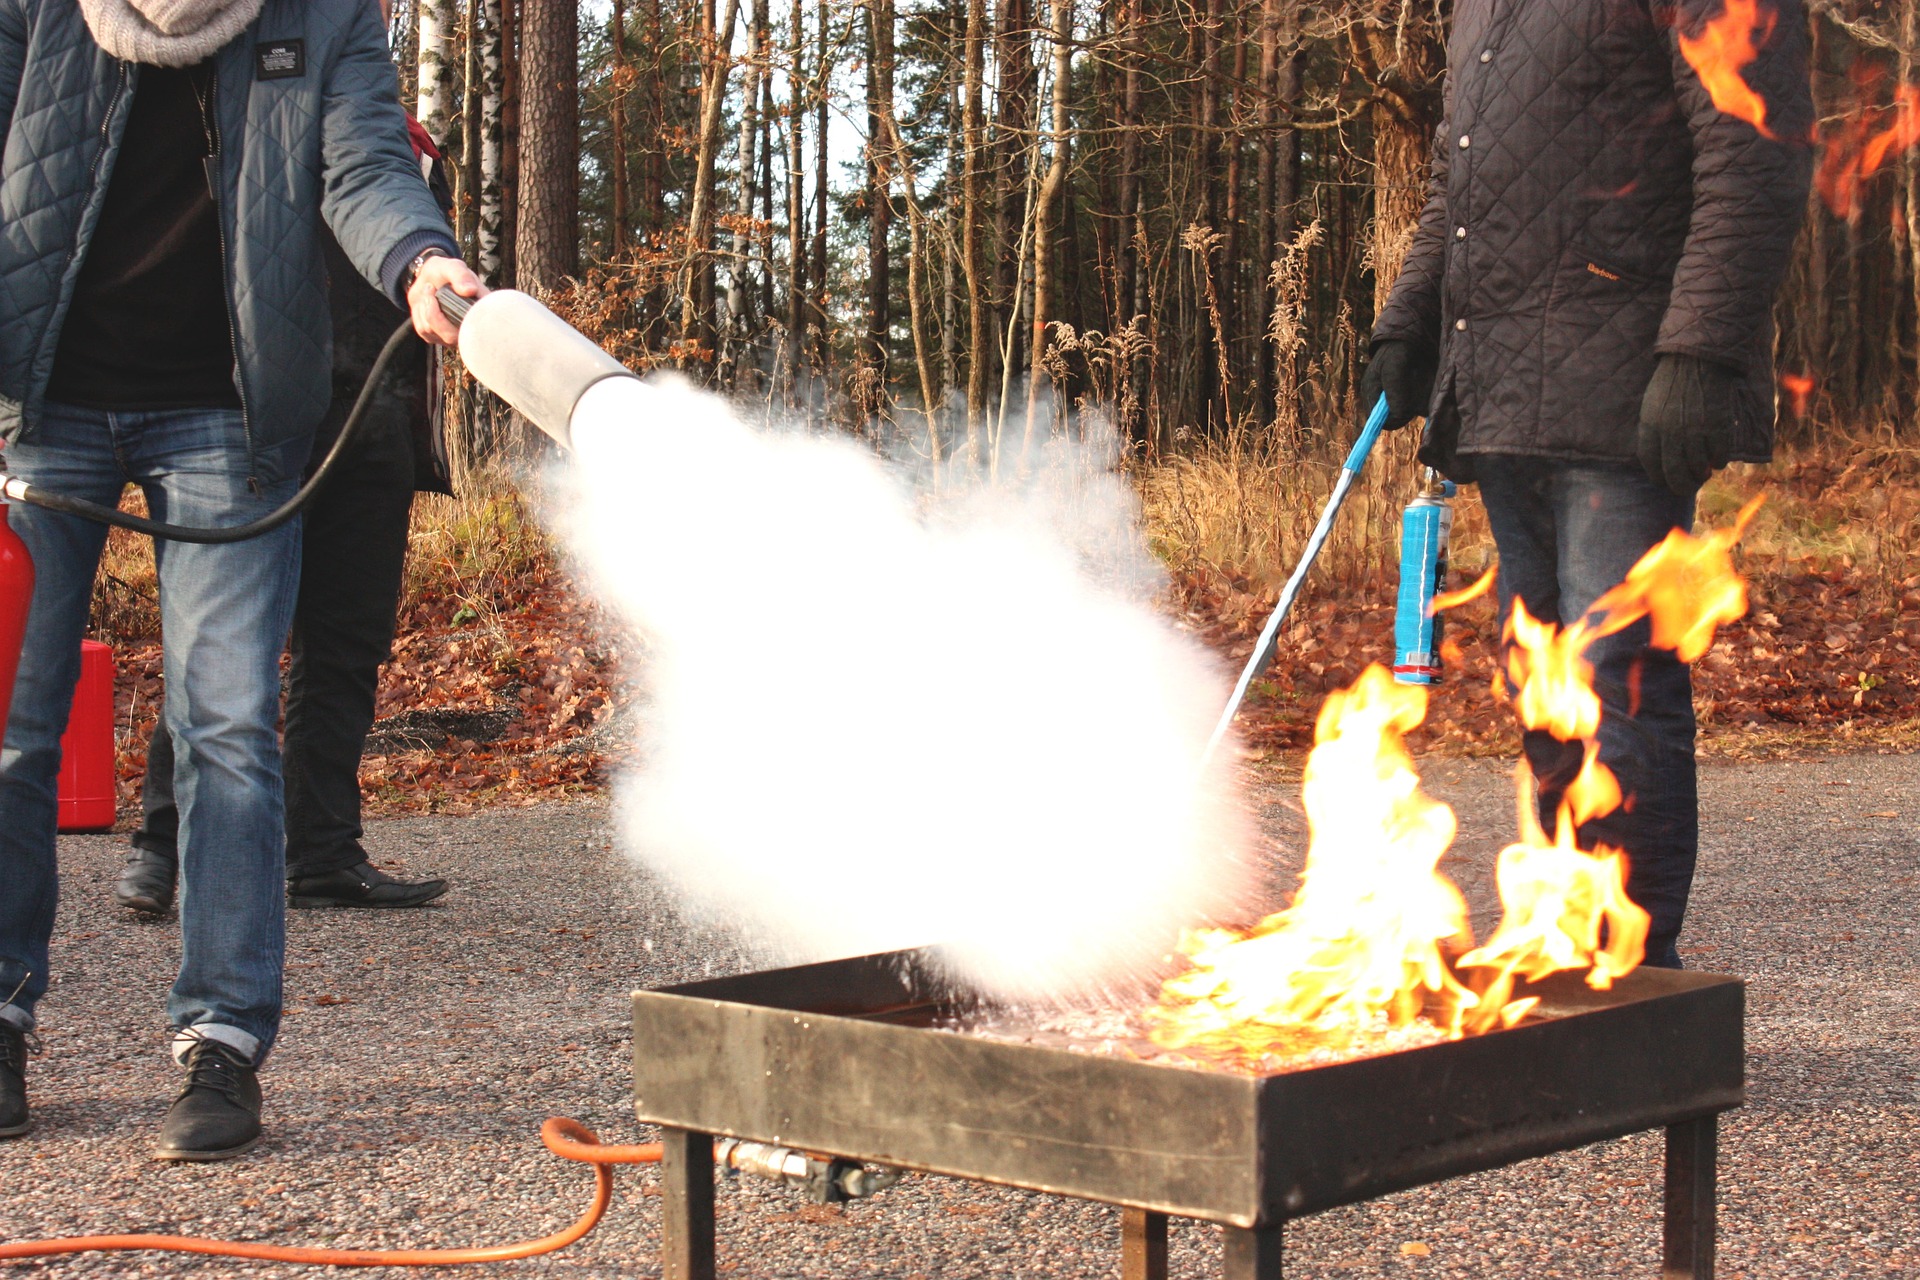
x,y
1376,936
1852,149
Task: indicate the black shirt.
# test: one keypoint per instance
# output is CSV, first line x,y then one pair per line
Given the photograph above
x,y
148,328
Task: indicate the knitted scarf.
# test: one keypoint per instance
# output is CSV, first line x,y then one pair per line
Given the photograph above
x,y
167,33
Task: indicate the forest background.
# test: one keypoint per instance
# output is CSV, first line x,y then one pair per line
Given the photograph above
x,y
952,227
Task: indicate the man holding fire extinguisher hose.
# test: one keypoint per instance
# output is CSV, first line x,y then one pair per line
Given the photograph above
x,y
1585,320
163,322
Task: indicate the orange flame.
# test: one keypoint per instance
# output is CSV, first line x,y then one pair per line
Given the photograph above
x,y
1856,149
1454,599
1799,386
1360,942
1364,945
1725,45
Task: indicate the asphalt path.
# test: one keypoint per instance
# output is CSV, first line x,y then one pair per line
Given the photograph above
x,y
422,1050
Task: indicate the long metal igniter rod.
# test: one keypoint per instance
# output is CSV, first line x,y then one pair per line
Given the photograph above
x,y
1270,634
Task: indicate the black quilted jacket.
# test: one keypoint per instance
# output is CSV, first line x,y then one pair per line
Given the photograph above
x,y
1589,209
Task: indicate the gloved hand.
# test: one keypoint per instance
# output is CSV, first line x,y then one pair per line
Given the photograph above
x,y
1686,422
1404,370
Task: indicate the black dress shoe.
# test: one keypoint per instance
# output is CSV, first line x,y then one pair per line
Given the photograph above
x,y
147,883
364,885
217,1116
14,1042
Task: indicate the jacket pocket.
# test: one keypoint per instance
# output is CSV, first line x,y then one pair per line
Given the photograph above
x,y
1597,354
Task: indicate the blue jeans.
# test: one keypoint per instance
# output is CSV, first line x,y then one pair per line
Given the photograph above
x,y
1567,532
224,613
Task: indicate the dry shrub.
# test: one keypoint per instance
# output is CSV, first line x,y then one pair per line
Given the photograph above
x,y
1236,516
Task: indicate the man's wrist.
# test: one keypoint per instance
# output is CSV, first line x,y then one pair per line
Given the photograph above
x,y
420,260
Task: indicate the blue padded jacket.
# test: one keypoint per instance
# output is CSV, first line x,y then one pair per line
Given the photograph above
x,y
310,127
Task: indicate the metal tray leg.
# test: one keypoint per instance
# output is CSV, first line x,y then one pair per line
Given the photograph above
x,y
1690,1226
686,1189
1143,1245
1253,1253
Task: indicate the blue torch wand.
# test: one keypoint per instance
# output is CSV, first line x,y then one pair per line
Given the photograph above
x,y
1270,634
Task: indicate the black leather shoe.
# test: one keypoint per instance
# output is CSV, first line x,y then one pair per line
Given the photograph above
x,y
217,1116
147,883
14,1042
364,885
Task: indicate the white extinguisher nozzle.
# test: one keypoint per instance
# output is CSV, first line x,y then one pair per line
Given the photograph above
x,y
532,359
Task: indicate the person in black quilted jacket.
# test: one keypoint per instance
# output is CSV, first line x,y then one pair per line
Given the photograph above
x,y
1584,319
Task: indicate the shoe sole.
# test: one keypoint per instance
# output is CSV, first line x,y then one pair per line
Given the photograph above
x,y
146,906
180,1155
15,1131
304,903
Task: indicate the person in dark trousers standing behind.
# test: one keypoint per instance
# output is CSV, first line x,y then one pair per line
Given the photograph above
x,y
1585,320
352,559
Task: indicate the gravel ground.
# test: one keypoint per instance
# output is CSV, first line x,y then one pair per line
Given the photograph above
x,y
422,1049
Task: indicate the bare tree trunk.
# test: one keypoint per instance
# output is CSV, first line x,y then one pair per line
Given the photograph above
x,y
510,24
973,255
438,18
622,229
489,234
896,157
1130,272
1400,55
1052,189
1014,148
796,203
823,85
467,177
696,299
548,237
881,162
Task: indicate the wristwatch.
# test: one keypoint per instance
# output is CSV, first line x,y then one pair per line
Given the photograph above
x,y
420,260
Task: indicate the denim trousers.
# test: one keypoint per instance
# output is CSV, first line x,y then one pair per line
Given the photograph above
x,y
225,612
1567,532
352,559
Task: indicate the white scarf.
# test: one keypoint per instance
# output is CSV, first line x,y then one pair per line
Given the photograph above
x,y
167,33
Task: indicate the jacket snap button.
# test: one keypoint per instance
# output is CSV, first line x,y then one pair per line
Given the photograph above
x,y
1486,55
1459,233
1460,325
1464,140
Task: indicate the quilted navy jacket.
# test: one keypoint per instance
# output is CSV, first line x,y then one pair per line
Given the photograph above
x,y
310,126
1590,208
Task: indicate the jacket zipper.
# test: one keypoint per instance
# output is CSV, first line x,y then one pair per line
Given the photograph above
x,y
226,286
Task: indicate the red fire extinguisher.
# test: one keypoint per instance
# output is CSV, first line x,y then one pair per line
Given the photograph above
x,y
16,592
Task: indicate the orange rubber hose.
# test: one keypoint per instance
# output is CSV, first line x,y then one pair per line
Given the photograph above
x,y
567,1139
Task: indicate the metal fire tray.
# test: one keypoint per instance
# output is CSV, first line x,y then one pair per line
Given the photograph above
x,y
841,1058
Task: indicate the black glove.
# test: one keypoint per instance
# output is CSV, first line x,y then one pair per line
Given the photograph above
x,y
1404,371
1686,422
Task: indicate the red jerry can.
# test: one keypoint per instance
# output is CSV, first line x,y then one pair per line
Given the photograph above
x,y
87,773
16,593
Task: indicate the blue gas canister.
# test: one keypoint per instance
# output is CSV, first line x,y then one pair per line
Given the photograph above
x,y
1425,527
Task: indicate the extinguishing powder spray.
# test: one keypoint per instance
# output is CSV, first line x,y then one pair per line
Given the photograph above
x,y
1425,527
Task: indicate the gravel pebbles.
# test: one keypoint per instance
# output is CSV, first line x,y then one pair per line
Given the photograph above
x,y
423,1048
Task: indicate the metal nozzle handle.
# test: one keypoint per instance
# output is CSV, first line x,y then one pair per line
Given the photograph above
x,y
452,303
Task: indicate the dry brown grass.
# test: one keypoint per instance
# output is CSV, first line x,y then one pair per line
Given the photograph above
x,y
469,557
1238,517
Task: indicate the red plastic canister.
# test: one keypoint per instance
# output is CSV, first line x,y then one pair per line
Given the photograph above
x,y
16,591
87,774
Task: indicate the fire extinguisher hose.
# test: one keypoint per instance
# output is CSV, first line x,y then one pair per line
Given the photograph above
x,y
565,1138
15,489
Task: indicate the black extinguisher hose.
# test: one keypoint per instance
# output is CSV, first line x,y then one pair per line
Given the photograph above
x,y
18,490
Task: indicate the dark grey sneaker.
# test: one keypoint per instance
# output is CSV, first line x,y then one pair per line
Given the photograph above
x,y
217,1116
364,885
14,1043
147,883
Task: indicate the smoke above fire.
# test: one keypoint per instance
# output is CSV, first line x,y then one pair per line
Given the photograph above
x,y
878,712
